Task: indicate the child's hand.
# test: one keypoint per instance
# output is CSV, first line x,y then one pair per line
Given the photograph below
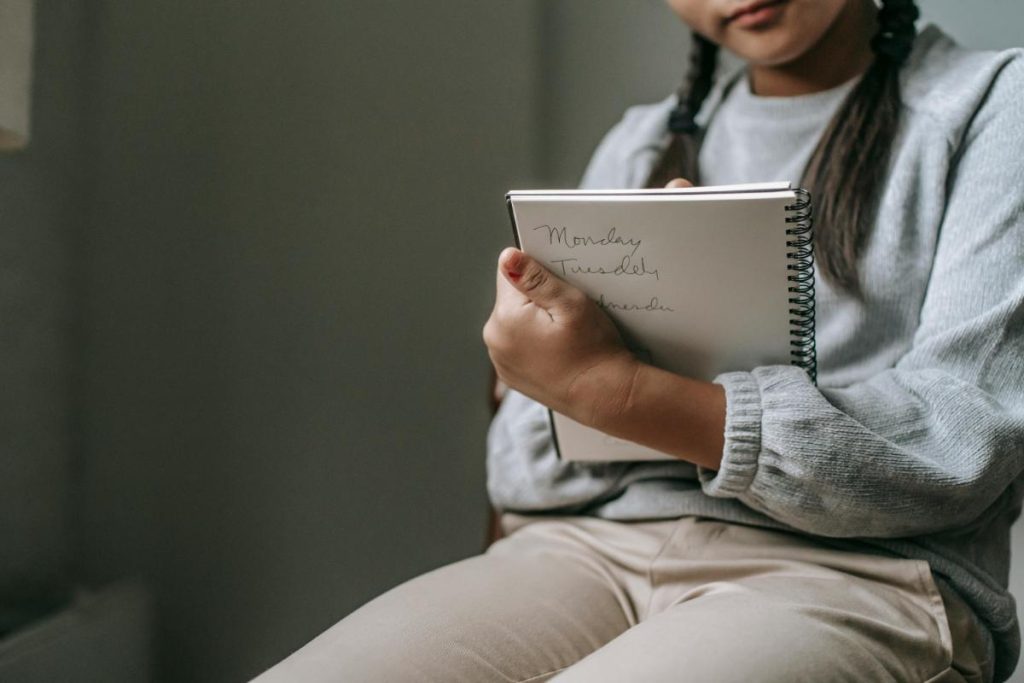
x,y
548,340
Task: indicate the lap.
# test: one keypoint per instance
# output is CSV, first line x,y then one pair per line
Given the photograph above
x,y
589,600
535,603
775,629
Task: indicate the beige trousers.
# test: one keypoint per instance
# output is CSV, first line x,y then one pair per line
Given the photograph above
x,y
588,600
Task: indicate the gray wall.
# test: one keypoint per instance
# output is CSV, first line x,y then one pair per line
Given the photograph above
x,y
296,211
994,24
41,212
599,58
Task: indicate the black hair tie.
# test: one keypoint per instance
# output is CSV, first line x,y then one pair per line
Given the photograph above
x,y
681,121
895,38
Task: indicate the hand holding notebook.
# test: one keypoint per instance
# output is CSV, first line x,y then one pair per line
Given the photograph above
x,y
699,281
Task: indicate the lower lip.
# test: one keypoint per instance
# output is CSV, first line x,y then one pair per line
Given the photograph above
x,y
762,18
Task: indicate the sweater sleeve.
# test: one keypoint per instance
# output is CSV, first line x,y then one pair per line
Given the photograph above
x,y
932,442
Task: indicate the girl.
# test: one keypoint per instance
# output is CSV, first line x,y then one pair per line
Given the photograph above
x,y
857,530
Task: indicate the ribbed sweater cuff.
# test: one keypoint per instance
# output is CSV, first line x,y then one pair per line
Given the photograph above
x,y
742,437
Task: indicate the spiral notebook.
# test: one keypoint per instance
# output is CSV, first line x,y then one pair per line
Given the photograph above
x,y
699,280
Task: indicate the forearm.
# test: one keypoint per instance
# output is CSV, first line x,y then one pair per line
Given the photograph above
x,y
655,408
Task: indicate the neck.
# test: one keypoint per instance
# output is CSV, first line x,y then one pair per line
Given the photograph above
x,y
842,53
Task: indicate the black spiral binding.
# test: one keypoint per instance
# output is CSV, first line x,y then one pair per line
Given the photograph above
x,y
801,283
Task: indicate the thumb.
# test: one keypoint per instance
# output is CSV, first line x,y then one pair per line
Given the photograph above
x,y
678,183
531,279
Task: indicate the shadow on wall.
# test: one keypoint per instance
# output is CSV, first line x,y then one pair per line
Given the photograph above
x,y
247,258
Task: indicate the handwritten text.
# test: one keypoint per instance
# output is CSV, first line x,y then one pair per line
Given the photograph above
x,y
625,267
562,236
651,306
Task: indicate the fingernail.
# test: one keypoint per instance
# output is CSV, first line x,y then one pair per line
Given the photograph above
x,y
513,261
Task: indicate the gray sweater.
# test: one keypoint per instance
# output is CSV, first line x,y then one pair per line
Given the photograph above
x,y
912,444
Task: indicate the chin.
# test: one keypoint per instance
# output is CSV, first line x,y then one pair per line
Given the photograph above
x,y
788,31
769,50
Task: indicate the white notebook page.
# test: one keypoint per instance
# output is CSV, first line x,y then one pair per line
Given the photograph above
x,y
696,281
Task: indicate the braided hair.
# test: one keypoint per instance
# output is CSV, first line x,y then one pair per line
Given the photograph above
x,y
849,165
681,155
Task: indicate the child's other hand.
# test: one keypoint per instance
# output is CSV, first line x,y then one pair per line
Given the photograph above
x,y
678,183
548,340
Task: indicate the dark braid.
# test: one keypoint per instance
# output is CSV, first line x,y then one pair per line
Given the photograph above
x,y
691,96
849,166
681,155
